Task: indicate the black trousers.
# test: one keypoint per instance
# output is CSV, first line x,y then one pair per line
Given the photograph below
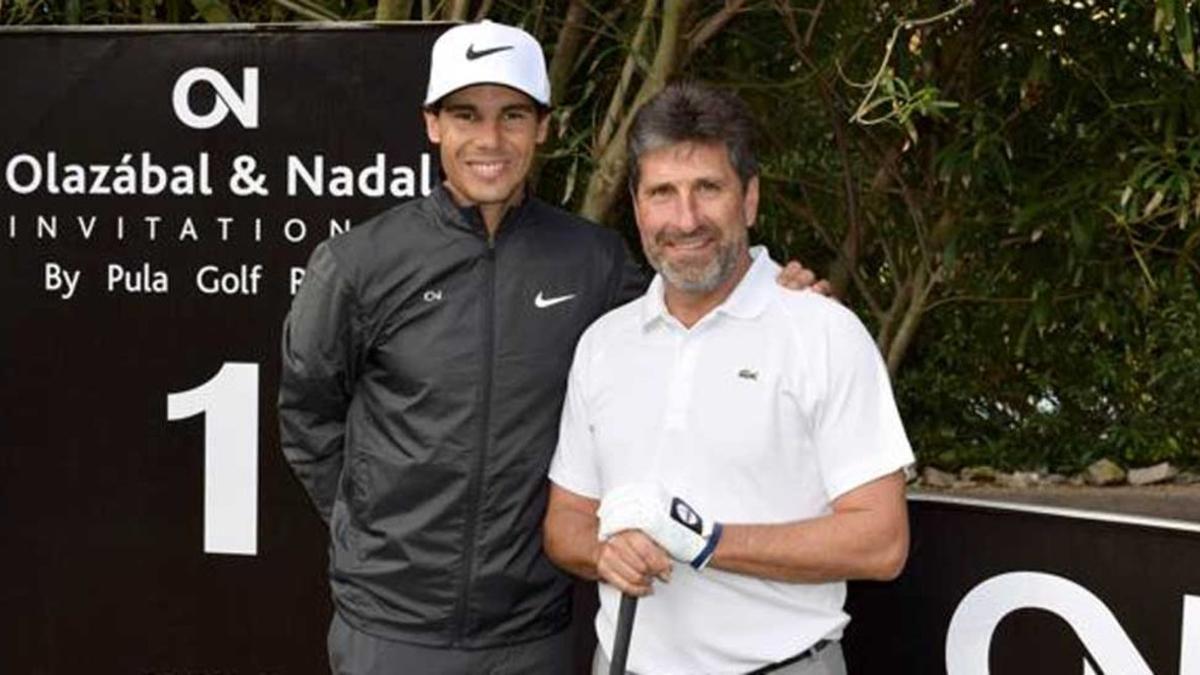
x,y
353,652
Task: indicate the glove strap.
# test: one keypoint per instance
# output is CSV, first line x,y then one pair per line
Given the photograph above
x,y
710,547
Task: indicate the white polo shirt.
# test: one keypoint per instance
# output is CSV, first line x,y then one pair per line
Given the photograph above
x,y
765,411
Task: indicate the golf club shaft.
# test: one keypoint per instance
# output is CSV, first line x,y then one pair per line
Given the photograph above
x,y
624,632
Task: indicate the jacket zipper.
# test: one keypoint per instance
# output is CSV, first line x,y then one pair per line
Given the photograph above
x,y
474,487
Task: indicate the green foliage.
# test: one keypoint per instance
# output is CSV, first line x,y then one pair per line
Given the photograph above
x,y
1006,191
1103,378
1043,192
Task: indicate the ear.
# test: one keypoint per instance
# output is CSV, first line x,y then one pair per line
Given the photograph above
x,y
433,127
543,129
750,202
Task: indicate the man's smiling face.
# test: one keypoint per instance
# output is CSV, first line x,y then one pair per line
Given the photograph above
x,y
693,212
487,135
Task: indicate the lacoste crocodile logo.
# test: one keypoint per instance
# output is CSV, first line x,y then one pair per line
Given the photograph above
x,y
542,302
747,374
472,54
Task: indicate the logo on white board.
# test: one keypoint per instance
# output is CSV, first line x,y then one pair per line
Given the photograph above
x,y
225,99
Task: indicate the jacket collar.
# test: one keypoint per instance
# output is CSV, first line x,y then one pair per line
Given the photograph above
x,y
469,219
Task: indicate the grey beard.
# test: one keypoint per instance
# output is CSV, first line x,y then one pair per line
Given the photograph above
x,y
696,279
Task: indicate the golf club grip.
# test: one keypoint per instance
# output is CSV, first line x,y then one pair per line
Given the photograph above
x,y
624,631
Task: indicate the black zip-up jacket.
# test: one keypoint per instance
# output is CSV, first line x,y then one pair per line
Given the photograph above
x,y
424,369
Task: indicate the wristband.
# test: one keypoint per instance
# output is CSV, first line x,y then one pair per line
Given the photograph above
x,y
710,547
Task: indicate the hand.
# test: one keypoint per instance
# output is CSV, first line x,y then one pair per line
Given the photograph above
x,y
797,277
631,561
669,521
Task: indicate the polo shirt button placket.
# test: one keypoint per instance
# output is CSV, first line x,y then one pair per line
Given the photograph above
x,y
674,432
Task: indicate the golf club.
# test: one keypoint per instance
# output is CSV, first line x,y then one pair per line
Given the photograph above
x,y
624,631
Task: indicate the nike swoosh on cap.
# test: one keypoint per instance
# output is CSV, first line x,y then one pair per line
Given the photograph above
x,y
542,302
472,54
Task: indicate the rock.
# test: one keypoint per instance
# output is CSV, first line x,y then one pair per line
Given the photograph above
x,y
1104,472
934,477
1159,473
1018,480
1187,478
937,478
1055,479
979,474
1077,480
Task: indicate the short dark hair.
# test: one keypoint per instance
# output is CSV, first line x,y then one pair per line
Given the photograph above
x,y
694,111
435,108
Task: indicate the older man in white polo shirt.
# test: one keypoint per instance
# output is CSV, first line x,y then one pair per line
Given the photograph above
x,y
722,422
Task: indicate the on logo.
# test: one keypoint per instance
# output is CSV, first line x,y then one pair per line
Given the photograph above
x,y
969,637
225,100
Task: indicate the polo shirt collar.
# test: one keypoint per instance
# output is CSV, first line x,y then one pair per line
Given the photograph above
x,y
748,299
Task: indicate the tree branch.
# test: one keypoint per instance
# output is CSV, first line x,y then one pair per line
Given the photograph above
x,y
887,325
922,284
308,10
812,24
566,48
712,25
860,115
799,209
617,102
848,254
605,182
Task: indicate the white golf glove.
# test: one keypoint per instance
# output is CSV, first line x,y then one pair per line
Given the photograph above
x,y
669,521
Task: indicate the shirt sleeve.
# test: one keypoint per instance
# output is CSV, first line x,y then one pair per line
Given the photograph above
x,y
574,466
858,430
316,381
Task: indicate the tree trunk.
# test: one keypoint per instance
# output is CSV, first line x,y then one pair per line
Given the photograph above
x,y
616,104
889,320
922,285
605,183
458,10
393,10
566,49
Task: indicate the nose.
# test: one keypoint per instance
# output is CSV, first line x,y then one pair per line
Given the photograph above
x,y
688,218
489,134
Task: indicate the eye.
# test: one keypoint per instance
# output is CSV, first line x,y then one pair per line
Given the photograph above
x,y
462,115
658,192
517,115
708,187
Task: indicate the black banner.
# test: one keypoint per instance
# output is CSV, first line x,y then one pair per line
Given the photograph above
x,y
1008,590
159,195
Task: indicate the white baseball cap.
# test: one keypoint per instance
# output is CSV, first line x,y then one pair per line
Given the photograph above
x,y
487,53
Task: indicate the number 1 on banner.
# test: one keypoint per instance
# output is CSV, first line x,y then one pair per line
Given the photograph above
x,y
229,402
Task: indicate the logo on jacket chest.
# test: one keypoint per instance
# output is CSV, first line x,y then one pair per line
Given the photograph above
x,y
544,300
